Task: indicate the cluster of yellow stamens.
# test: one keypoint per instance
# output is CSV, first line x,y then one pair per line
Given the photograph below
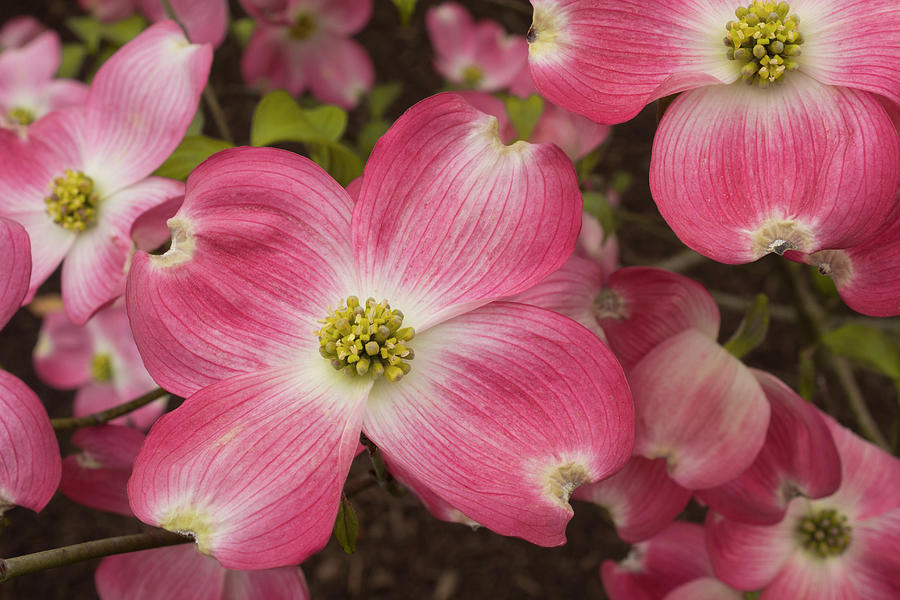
x,y
101,368
303,28
824,533
21,116
369,339
472,75
764,38
72,203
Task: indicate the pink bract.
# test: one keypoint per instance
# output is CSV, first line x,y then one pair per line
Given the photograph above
x,y
112,144
304,44
15,268
506,409
206,21
18,31
711,174
855,558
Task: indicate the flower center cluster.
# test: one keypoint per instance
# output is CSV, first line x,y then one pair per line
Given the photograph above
x,y
472,75
303,28
824,533
72,203
101,368
764,38
21,115
369,339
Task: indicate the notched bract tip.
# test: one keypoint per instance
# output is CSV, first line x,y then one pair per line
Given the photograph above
x,y
182,247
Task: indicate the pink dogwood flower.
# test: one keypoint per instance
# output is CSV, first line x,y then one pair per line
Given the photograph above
x,y
100,359
206,21
31,461
804,158
28,90
258,315
300,44
480,55
18,31
82,177
840,546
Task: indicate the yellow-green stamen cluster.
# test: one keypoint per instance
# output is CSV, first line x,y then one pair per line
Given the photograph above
x,y
472,75
824,533
367,340
303,28
764,38
101,368
72,202
21,115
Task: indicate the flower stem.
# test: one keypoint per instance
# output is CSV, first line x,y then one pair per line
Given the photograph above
x,y
67,555
99,418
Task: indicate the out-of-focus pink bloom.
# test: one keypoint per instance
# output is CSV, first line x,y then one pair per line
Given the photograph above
x,y
597,245
804,159
705,588
655,567
505,409
18,31
799,458
82,177
100,359
302,44
27,88
31,461
480,55
840,546
206,21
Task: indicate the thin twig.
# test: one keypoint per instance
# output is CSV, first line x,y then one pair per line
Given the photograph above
x,y
104,416
684,260
67,555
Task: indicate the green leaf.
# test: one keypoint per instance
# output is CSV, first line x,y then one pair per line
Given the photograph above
x,y
72,59
278,118
341,162
823,283
242,29
596,205
382,96
406,9
622,181
191,152
524,114
870,348
196,126
122,32
88,31
586,165
752,330
806,374
346,527
370,134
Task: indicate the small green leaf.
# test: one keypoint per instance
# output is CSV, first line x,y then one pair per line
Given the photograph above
x,y
191,152
868,347
341,162
405,8
242,29
524,114
806,374
121,32
622,181
196,126
752,330
823,283
596,205
278,118
370,134
346,527
72,59
382,96
88,31
586,165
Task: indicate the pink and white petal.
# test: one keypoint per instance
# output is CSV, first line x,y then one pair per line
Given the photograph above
x,y
260,253
30,470
507,409
160,573
64,93
206,21
253,466
643,306
576,135
149,231
131,126
870,484
31,66
15,268
641,498
749,557
874,568
341,72
494,106
595,244
571,290
96,397
344,17
838,44
449,218
593,57
451,31
837,167
500,57
799,458
264,11
62,356
282,583
20,30
353,188
810,578
96,266
654,567
700,408
436,505
268,62
705,588
98,476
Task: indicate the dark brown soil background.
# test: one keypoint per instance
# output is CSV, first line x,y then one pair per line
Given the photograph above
x,y
402,551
